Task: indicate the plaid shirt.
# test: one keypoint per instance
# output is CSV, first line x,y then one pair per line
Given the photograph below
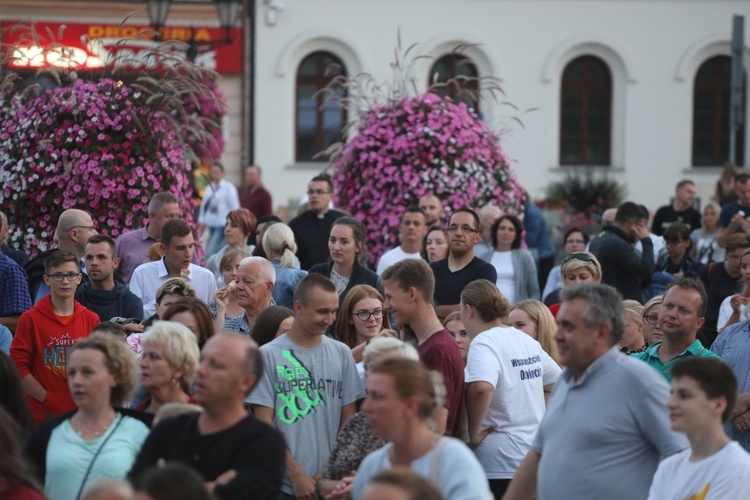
x,y
14,288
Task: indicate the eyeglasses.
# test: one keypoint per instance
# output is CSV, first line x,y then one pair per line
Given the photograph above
x,y
464,229
365,315
60,277
651,319
319,192
582,256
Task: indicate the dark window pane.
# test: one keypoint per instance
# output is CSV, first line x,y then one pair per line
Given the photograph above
x,y
711,114
586,112
449,67
317,127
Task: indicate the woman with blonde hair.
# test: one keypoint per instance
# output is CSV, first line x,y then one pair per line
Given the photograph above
x,y
651,332
632,340
280,248
98,439
401,399
507,376
170,360
534,319
707,250
579,267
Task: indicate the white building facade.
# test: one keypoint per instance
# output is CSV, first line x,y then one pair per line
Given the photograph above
x,y
614,84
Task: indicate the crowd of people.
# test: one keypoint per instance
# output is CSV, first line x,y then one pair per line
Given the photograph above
x,y
463,364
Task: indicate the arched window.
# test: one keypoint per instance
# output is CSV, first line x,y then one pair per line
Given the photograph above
x,y
711,114
450,67
317,127
586,112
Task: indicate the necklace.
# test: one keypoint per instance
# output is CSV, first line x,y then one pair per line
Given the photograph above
x,y
92,431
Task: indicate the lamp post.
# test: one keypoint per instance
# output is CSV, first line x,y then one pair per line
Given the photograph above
x,y
226,11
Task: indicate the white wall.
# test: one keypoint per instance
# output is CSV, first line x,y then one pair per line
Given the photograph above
x,y
653,47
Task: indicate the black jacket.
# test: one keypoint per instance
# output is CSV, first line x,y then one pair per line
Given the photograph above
x,y
360,276
622,267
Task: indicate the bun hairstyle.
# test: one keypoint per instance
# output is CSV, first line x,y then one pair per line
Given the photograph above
x,y
486,299
411,378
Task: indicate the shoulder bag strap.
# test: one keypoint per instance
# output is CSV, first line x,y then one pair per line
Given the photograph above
x,y
91,464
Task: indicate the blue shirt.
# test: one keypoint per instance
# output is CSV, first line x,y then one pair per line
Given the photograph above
x,y
14,288
733,345
238,324
728,211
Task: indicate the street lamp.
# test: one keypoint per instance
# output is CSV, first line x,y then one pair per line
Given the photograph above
x,y
226,11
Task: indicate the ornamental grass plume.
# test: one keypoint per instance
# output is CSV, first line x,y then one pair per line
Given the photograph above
x,y
408,146
105,145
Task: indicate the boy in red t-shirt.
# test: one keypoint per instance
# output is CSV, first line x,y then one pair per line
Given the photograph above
x,y
45,334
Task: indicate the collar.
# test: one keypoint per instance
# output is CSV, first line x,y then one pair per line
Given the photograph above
x,y
163,272
145,236
603,360
693,349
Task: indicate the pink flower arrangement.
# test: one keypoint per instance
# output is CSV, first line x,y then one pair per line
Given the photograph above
x,y
99,146
410,146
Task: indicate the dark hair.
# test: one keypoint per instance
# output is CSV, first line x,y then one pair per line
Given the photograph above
x,y
307,285
574,230
486,299
678,231
344,331
690,284
267,323
414,485
324,178
218,165
412,273
742,178
269,218
244,219
413,209
199,310
58,258
111,328
103,238
516,224
630,211
713,376
603,307
174,228
468,211
359,231
434,227
172,481
684,183
12,395
13,467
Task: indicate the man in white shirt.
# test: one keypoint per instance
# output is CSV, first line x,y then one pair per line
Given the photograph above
x,y
411,232
219,199
178,246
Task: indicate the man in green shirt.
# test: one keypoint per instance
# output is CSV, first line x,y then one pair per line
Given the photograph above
x,y
680,318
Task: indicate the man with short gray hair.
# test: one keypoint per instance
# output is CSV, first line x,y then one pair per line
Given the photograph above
x,y
617,451
257,277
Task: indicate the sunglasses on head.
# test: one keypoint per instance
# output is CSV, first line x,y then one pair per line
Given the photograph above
x,y
583,256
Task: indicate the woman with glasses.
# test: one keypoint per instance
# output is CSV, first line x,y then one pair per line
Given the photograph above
x,y
516,271
581,267
360,320
651,332
345,243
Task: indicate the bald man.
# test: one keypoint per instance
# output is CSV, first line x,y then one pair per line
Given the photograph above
x,y
74,228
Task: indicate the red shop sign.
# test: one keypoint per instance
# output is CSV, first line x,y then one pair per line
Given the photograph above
x,y
91,46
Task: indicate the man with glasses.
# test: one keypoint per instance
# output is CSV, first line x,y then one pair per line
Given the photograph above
x,y
74,228
622,267
722,279
45,335
312,227
461,267
411,232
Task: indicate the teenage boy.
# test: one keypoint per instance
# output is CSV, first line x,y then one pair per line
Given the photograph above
x,y
45,334
703,394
